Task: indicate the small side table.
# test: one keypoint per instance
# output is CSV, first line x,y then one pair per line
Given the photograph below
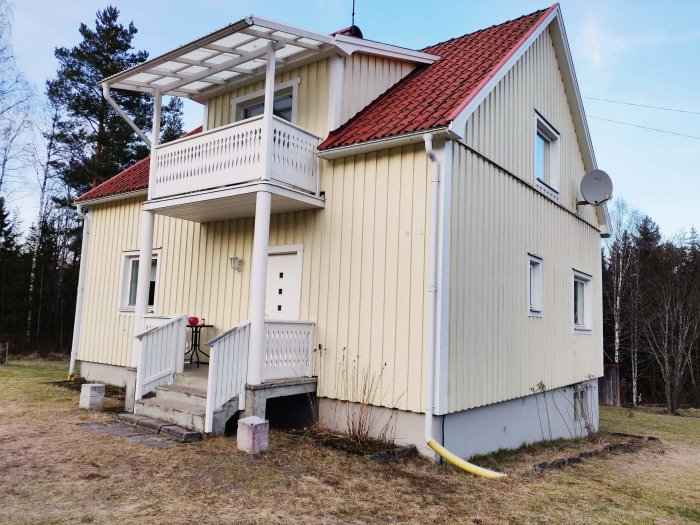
x,y
195,349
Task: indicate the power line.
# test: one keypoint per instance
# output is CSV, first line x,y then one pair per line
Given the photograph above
x,y
644,105
645,127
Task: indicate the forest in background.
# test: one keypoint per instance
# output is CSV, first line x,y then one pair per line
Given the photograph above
x,y
67,140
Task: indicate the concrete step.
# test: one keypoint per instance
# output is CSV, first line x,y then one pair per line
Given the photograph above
x,y
187,415
183,393
198,380
161,427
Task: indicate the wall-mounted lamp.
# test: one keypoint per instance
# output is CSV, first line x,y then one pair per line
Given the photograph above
x,y
236,263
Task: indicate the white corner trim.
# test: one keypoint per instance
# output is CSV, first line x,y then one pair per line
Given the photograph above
x,y
335,91
443,314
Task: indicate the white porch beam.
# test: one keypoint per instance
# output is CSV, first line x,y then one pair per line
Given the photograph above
x,y
120,111
280,38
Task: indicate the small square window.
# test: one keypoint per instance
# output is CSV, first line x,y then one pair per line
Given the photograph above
x,y
535,296
582,290
546,155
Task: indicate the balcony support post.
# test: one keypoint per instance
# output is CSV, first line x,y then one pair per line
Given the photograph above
x,y
261,237
143,284
268,111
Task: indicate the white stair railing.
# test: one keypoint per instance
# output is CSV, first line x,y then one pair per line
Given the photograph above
x,y
228,367
289,349
162,353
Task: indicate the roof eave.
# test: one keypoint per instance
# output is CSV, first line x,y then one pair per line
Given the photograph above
x,y
111,198
395,141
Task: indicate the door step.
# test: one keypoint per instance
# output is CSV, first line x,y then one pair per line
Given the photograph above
x,y
161,427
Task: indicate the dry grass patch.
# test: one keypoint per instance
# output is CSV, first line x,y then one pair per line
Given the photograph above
x,y
52,471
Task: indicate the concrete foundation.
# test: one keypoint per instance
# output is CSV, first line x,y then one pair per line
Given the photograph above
x,y
506,425
253,435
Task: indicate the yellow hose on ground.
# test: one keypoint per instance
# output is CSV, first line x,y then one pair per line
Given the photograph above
x,y
464,465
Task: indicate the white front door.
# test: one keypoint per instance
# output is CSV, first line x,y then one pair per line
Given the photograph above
x,y
283,296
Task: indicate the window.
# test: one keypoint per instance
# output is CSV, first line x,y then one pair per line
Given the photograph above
x,y
253,104
282,108
546,155
535,297
580,405
582,301
130,277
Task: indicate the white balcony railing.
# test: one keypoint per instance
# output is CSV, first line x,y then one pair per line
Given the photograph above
x,y
234,154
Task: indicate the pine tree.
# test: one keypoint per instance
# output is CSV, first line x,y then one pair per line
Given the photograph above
x,y
100,143
12,300
171,122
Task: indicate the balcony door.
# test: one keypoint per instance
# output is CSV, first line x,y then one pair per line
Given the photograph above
x,y
283,298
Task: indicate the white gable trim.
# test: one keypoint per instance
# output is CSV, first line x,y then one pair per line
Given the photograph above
x,y
566,65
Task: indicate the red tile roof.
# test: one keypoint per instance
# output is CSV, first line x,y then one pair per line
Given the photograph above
x,y
133,178
429,97
432,96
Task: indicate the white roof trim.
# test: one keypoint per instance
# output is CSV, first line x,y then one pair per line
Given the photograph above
x,y
113,197
350,45
385,143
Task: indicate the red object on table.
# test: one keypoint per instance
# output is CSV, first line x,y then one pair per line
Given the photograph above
x,y
193,321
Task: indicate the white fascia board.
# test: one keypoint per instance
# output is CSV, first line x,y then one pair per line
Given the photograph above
x,y
112,198
350,45
385,143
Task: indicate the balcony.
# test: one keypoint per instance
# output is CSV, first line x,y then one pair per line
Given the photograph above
x,y
215,175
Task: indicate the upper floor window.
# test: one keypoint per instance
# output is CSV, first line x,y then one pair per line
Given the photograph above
x,y
253,104
546,154
282,108
582,291
535,297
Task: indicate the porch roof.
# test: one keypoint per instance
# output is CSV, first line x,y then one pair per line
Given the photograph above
x,y
236,54
233,53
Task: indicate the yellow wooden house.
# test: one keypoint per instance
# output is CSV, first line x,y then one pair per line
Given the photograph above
x,y
365,222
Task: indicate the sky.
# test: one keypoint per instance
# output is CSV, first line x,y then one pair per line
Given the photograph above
x,y
639,52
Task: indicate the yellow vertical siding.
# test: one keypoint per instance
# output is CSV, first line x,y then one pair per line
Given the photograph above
x,y
496,351
312,109
362,277
503,127
365,77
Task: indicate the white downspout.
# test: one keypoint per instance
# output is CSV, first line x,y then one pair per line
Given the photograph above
x,y
432,319
82,276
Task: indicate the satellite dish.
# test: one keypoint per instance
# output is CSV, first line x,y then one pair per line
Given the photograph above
x,y
596,187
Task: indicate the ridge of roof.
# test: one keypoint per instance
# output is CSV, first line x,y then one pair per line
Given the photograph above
x,y
431,96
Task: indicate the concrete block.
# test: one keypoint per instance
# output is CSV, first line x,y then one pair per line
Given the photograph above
x,y
253,434
92,396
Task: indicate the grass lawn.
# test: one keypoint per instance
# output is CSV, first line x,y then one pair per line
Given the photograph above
x,y
53,471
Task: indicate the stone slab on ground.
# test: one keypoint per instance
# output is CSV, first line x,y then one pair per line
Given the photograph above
x,y
128,433
253,434
161,427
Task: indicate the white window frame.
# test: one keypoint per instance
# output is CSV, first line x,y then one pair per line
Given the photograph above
x,y
552,162
239,104
535,308
586,325
127,257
